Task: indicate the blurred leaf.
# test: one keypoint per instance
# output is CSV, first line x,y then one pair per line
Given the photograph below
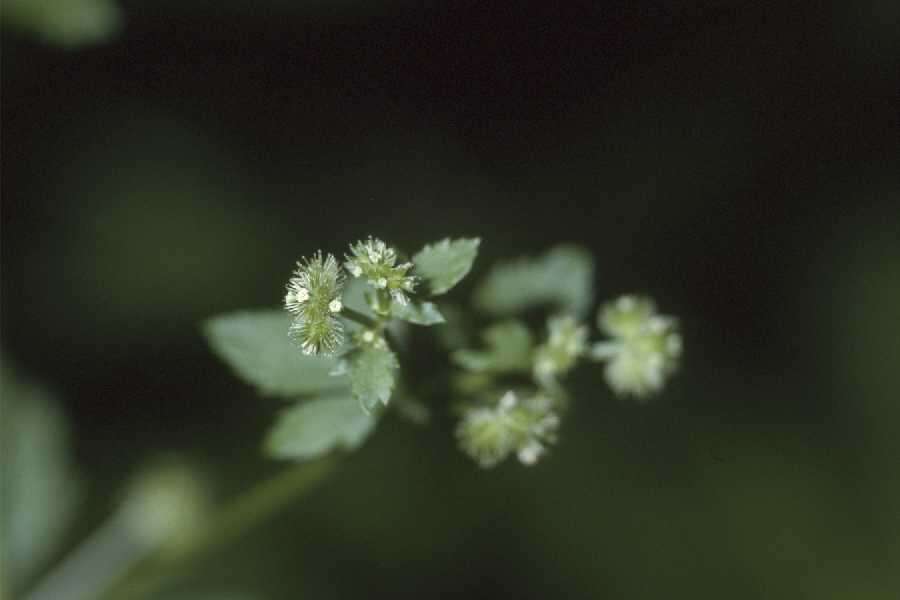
x,y
39,489
562,277
509,348
65,22
418,313
372,375
256,345
318,426
445,263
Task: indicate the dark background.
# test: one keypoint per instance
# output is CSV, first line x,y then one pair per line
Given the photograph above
x,y
737,161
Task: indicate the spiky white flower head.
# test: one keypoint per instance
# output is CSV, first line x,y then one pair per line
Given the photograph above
x,y
566,341
377,262
644,350
489,434
314,299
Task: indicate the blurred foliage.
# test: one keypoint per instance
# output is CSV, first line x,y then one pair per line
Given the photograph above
x,y
39,490
509,347
563,278
64,22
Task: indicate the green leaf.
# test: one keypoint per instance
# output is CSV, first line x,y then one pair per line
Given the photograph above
x,y
509,349
562,278
443,264
314,427
256,345
418,313
372,372
39,491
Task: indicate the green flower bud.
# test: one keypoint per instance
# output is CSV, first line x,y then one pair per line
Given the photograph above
x,y
645,348
376,261
567,341
314,298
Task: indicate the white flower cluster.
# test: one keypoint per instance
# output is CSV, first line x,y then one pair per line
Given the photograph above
x,y
489,434
645,347
376,261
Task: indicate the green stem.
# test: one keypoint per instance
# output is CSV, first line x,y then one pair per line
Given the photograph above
x,y
232,521
358,317
103,558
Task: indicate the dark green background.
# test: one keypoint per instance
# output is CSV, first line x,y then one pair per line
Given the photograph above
x,y
738,162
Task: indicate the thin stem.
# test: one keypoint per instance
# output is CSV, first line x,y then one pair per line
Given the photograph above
x,y
257,504
358,317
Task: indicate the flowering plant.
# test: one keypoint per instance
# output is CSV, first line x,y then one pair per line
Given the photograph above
x,y
338,348
342,349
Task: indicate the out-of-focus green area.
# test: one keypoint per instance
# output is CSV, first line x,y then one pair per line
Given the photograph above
x,y
740,165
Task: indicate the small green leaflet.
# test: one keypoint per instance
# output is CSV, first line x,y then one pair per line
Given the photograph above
x,y
562,277
372,372
509,349
314,427
256,345
443,264
418,313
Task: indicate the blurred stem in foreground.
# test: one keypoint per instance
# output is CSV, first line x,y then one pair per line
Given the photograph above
x,y
110,564
233,520
109,553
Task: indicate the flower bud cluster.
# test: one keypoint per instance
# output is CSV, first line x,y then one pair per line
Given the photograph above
x,y
566,342
376,261
489,434
644,349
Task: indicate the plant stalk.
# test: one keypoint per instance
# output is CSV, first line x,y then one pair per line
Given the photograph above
x,y
232,521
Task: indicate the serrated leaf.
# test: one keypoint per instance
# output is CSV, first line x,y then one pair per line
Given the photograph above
x,y
418,313
443,264
562,278
255,344
509,349
372,374
39,490
318,426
